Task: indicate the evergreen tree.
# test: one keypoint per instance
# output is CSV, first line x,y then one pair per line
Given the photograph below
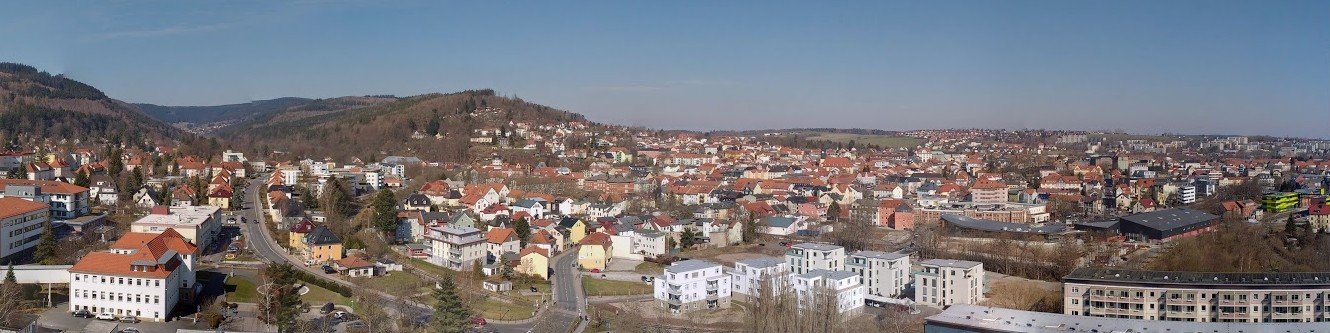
x,y
280,305
81,179
114,164
687,239
9,276
45,252
308,198
833,211
237,197
750,229
523,230
385,212
335,199
432,128
450,314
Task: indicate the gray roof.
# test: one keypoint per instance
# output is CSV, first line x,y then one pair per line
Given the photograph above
x,y
1236,280
778,221
817,246
761,262
1169,219
977,318
951,263
690,265
998,226
830,275
879,255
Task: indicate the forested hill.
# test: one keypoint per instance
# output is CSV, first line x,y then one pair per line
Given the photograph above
x,y
208,114
446,123
35,105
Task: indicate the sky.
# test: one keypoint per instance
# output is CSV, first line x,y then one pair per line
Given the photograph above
x,y
1194,67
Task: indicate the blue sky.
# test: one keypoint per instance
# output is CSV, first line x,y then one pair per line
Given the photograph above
x,y
1233,67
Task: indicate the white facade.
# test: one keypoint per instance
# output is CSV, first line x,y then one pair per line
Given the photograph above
x,y
22,224
693,284
749,275
805,257
884,274
649,243
146,298
946,282
845,287
455,248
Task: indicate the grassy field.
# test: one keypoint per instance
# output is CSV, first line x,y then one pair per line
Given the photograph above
x,y
495,309
599,287
239,289
885,141
395,282
317,296
649,268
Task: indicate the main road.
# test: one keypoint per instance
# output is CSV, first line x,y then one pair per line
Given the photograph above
x,y
567,280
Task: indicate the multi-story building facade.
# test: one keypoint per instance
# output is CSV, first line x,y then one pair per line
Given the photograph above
x,y
884,275
66,200
198,224
21,223
1197,297
1004,211
691,285
944,282
751,275
456,248
805,257
142,276
819,286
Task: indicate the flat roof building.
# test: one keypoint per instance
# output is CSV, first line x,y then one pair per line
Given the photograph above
x,y
1197,296
1167,224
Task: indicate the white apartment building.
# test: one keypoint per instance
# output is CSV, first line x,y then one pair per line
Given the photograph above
x,y
884,274
805,257
691,285
945,282
290,175
1198,297
66,200
22,223
820,285
198,224
649,243
749,276
456,248
144,281
1187,194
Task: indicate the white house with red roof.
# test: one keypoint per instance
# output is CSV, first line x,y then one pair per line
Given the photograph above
x,y
142,276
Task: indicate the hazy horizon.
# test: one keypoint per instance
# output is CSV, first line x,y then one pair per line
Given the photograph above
x,y
1186,67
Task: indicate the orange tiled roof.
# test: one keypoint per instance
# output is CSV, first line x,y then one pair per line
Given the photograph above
x,y
11,206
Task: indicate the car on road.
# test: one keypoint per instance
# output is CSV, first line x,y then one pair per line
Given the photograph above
x,y
355,324
105,316
83,314
329,270
231,221
478,321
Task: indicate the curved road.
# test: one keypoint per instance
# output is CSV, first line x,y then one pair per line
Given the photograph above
x,y
569,302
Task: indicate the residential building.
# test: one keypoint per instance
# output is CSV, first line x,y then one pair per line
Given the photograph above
x,y
649,243
964,318
988,191
1269,297
691,285
23,222
749,276
142,276
534,261
198,224
501,240
944,282
595,252
322,245
884,275
805,257
456,248
67,200
817,287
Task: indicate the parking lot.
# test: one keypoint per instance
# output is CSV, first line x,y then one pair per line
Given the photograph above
x,y
59,318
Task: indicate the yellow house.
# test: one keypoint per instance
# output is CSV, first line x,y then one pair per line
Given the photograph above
x,y
535,261
322,245
595,251
577,230
296,239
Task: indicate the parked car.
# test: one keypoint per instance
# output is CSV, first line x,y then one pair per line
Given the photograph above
x,y
355,324
328,270
533,289
105,316
83,314
326,308
478,320
129,330
129,319
339,315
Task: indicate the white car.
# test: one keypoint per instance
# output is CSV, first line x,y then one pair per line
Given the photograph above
x,y
105,316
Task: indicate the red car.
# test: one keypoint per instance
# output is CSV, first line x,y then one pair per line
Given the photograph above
x,y
478,321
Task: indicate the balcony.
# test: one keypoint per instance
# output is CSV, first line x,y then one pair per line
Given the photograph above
x,y
1235,302
1181,301
712,294
674,288
1234,315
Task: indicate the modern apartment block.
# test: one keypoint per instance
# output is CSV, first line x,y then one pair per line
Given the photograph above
x,y
805,257
1198,297
944,282
198,224
751,275
693,284
884,274
818,286
22,225
67,201
456,248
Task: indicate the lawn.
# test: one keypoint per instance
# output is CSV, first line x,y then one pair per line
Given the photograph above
x,y
495,309
885,141
317,296
240,289
599,287
649,268
394,283
431,268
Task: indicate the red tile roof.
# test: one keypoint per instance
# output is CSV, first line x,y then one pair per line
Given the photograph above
x,y
11,206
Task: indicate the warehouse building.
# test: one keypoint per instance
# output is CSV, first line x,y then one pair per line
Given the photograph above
x,y
1167,224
